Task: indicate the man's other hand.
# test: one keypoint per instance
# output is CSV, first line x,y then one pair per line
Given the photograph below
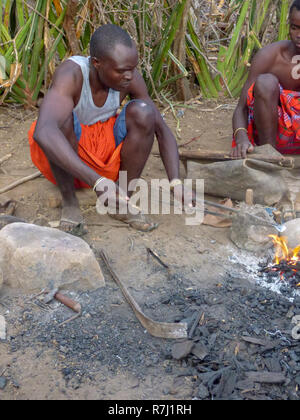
x,y
243,146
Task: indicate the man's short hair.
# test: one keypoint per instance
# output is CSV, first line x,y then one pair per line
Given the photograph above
x,y
295,5
105,38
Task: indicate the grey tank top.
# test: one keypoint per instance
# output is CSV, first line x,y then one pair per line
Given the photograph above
x,y
86,110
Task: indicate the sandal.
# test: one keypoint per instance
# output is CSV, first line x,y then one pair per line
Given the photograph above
x,y
77,229
138,221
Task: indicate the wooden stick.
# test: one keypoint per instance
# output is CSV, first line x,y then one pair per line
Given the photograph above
x,y
285,161
154,255
249,197
20,181
221,156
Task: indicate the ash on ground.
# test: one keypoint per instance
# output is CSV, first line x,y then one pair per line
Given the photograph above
x,y
239,346
249,265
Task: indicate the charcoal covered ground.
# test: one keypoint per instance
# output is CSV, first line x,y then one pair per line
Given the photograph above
x,y
106,353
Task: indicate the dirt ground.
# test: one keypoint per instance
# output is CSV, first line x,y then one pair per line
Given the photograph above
x,y
106,354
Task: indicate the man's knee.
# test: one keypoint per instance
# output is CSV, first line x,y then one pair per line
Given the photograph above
x,y
266,85
140,114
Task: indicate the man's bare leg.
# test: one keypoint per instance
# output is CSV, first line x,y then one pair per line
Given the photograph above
x,y
140,124
266,98
71,215
267,94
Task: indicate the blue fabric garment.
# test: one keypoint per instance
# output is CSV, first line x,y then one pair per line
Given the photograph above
x,y
120,128
77,126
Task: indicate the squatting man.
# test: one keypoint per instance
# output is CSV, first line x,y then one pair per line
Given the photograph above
x,y
79,140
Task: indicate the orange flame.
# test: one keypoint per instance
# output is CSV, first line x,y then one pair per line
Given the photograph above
x,y
283,252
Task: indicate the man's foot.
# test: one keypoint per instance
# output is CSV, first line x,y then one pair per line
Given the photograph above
x,y
138,221
72,221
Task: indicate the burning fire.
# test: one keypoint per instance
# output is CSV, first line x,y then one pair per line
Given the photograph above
x,y
283,252
286,259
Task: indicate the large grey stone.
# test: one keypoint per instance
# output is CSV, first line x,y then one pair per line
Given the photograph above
x,y
292,233
248,234
35,257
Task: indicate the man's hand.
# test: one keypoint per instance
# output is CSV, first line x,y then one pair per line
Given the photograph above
x,y
111,193
184,196
243,146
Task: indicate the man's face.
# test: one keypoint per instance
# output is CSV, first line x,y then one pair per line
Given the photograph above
x,y
117,69
295,27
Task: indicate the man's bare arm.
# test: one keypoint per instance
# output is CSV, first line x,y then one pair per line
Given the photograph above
x,y
56,109
262,63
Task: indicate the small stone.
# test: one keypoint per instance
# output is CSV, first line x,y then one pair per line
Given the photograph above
x,y
3,382
202,392
200,351
133,382
182,349
290,313
297,380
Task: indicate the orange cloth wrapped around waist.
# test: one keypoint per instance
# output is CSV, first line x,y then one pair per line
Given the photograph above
x,y
96,148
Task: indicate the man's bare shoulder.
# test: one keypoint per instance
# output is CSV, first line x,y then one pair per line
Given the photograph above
x,y
272,51
63,93
67,79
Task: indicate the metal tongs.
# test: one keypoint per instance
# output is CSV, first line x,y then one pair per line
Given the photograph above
x,y
259,220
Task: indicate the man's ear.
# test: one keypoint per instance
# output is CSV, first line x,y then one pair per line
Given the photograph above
x,y
95,61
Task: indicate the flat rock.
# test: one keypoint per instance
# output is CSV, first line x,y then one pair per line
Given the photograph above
x,y
36,257
249,234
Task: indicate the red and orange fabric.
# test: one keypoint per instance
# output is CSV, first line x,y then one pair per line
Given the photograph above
x,y
288,133
96,148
